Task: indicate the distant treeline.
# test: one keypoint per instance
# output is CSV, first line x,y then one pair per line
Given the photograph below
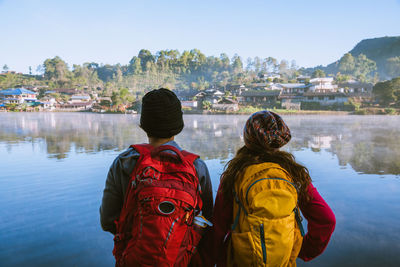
x,y
192,70
170,68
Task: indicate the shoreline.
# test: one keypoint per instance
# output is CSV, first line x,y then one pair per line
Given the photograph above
x,y
363,111
280,112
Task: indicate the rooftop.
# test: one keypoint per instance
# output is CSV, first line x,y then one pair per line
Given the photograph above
x,y
17,91
293,85
324,94
261,93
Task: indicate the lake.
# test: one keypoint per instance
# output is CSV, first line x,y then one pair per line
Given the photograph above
x,y
53,168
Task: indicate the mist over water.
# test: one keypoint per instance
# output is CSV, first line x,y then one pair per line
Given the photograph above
x,y
53,169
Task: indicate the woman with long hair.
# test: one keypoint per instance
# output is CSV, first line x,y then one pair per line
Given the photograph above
x,y
257,187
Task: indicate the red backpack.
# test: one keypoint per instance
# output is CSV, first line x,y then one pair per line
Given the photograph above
x,y
155,227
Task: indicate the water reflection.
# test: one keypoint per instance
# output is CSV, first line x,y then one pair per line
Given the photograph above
x,y
50,207
369,144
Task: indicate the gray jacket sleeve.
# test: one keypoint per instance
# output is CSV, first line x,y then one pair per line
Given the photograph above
x,y
206,187
117,182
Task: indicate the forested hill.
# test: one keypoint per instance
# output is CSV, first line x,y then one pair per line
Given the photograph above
x,y
378,49
384,51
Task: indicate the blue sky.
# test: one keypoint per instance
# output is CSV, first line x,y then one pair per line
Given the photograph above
x,y
310,32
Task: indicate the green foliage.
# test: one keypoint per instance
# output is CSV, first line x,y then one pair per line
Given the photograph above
x,y
393,66
10,80
122,96
347,106
206,105
390,111
388,92
56,70
249,109
347,64
363,67
318,73
342,77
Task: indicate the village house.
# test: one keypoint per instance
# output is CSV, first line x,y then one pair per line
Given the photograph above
x,y
260,86
105,100
75,106
355,87
269,97
291,101
48,102
236,89
293,88
210,95
325,98
303,79
320,85
193,104
79,98
66,91
226,104
184,95
17,96
270,76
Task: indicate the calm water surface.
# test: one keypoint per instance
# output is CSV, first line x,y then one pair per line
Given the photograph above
x,y
53,168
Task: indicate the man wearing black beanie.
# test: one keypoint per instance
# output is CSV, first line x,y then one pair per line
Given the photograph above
x,y
161,114
162,119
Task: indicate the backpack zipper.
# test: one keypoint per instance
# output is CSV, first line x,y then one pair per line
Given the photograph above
x,y
170,231
140,222
141,215
262,238
259,180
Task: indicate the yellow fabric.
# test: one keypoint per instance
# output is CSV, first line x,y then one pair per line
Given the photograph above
x,y
270,205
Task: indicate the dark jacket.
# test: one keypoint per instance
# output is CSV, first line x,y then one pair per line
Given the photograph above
x,y
117,182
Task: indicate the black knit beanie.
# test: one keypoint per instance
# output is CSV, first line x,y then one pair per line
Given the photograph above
x,y
161,114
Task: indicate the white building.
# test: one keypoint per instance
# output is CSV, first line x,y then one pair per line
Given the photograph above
x,y
293,88
323,85
48,102
79,98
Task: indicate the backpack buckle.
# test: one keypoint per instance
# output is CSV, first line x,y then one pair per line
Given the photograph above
x,y
117,237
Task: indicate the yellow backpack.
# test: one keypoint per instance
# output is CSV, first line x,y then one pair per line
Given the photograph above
x,y
267,229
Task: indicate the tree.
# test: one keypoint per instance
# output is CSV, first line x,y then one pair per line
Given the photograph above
x,y
135,65
393,66
5,68
318,73
40,69
257,64
145,58
249,64
56,70
224,61
283,66
10,80
237,65
271,64
364,66
347,64
388,92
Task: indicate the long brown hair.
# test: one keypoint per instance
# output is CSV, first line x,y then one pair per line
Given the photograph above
x,y
245,157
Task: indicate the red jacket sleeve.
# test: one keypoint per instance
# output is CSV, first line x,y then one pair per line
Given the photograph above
x,y
321,223
222,221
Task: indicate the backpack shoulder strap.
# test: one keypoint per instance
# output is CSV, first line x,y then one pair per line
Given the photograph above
x,y
142,148
190,157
